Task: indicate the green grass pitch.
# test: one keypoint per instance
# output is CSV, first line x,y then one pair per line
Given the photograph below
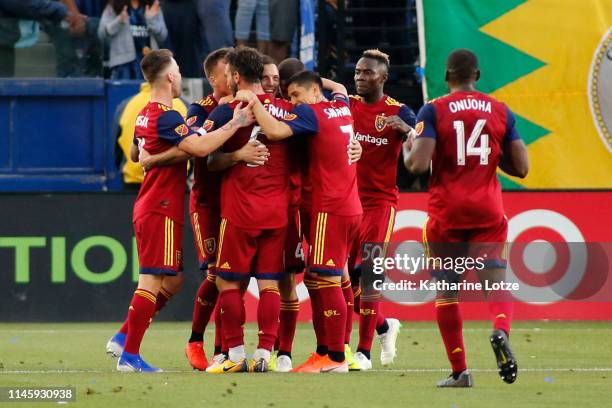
x,y
561,364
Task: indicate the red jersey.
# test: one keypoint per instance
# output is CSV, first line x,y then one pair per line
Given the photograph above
x,y
377,168
158,128
206,190
255,197
470,129
333,179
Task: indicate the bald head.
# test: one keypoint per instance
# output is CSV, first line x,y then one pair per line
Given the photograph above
x,y
462,67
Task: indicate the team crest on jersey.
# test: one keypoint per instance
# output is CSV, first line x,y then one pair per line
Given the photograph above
x,y
181,130
210,245
380,123
419,128
208,125
290,116
191,120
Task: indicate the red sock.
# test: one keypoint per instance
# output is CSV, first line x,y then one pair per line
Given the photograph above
x,y
380,318
502,309
318,323
451,329
204,304
162,298
347,292
140,314
232,317
289,310
124,326
368,319
356,298
334,314
219,341
268,310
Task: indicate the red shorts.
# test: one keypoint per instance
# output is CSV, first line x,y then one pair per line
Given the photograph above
x,y
160,244
205,224
294,253
488,242
245,253
376,228
333,237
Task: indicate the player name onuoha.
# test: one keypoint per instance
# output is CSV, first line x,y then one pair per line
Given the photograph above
x,y
428,284
469,103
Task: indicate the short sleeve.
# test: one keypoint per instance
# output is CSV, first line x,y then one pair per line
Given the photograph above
x,y
171,127
511,133
407,115
426,122
302,120
218,117
196,115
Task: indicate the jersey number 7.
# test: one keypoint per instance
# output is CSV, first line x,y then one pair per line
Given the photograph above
x,y
348,129
469,148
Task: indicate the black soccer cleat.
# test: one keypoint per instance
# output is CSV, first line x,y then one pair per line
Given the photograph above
x,y
506,362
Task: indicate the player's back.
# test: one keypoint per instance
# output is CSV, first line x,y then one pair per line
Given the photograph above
x,y
158,128
471,128
333,178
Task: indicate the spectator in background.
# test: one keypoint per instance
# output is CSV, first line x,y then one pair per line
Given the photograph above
x,y
244,19
123,125
13,10
132,27
181,17
215,25
283,25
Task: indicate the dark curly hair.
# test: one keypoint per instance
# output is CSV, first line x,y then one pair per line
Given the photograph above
x,y
248,62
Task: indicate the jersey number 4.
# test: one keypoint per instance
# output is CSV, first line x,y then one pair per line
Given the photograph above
x,y
469,148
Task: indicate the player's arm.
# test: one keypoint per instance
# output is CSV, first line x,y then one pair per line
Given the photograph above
x,y
168,157
253,152
202,146
514,160
403,122
419,149
334,87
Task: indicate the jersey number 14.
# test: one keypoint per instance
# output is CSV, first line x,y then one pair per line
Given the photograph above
x,y
469,148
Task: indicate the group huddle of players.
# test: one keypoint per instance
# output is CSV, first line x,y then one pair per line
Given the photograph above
x,y
292,175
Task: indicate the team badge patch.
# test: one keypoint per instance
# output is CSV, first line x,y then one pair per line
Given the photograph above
x,y
191,120
181,130
208,125
380,123
290,117
210,245
419,128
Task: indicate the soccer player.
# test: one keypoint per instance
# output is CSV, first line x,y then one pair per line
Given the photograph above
x,y
270,80
381,125
335,199
468,135
254,201
158,210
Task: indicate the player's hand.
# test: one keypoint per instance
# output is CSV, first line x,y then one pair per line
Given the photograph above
x,y
153,10
226,99
124,16
254,153
354,151
244,116
398,124
76,22
409,140
245,96
145,159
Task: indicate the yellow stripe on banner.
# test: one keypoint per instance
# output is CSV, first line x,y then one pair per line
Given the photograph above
x,y
221,236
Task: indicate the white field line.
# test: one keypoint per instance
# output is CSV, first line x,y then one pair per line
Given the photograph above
x,y
407,370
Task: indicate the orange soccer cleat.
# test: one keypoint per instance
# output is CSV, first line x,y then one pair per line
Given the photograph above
x,y
196,355
310,365
327,365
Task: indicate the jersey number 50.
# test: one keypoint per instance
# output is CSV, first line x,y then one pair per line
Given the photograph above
x,y
470,148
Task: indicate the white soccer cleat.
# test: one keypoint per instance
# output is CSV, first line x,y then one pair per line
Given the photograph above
x,y
387,342
217,360
364,363
283,364
114,346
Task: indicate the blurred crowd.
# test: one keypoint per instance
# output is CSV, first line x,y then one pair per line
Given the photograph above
x,y
108,38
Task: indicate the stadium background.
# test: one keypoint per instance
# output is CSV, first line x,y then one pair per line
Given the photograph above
x,y
66,244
